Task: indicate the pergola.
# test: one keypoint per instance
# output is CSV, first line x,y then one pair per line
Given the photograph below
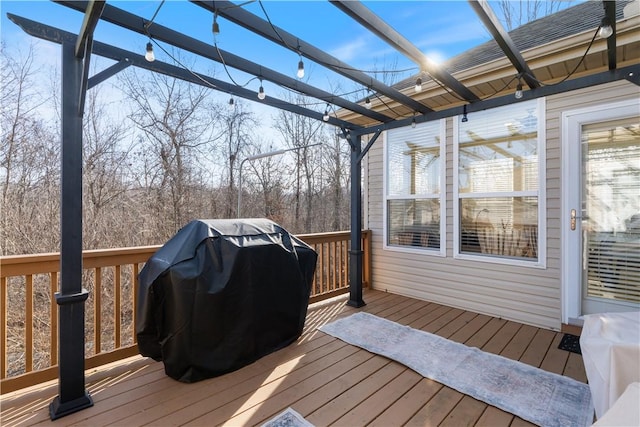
x,y
354,120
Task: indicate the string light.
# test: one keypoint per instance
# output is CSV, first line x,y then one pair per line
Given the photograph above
x,y
418,87
325,117
149,56
231,103
300,73
464,114
413,121
215,28
519,93
367,103
606,30
261,94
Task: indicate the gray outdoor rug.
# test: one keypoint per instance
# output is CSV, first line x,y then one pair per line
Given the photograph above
x,y
532,394
288,418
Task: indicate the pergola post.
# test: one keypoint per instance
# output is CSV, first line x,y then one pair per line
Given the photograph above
x,y
72,395
355,258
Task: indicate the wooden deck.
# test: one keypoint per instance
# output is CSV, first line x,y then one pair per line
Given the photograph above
x,y
324,379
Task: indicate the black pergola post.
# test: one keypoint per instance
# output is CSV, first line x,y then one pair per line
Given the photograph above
x,y
72,395
355,259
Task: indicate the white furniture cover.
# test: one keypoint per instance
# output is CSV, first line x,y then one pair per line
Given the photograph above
x,y
625,412
610,344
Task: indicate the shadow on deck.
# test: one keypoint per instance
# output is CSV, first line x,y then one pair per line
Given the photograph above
x,y
324,379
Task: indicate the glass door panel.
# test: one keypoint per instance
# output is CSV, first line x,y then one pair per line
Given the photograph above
x,y
611,215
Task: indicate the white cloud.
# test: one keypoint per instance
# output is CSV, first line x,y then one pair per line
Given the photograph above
x,y
352,49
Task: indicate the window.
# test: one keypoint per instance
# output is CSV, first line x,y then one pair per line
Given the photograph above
x,y
499,183
414,188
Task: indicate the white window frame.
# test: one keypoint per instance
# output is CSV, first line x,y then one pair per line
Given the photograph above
x,y
541,193
442,198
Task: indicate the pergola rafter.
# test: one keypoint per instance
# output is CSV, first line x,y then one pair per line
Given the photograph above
x,y
501,36
127,58
281,37
360,13
156,31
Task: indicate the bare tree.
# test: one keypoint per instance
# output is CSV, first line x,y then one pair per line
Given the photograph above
x,y
517,13
105,166
177,121
336,172
28,159
267,180
237,124
300,132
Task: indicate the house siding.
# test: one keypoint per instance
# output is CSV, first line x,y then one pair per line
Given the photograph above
x,y
530,295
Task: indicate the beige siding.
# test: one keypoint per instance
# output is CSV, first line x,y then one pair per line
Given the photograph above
x,y
524,294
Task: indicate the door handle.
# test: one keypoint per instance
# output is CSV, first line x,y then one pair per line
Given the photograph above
x,y
574,218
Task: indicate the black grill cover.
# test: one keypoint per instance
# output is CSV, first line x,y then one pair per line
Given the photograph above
x,y
221,294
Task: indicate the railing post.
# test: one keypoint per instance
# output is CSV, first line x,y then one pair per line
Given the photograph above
x,y
72,395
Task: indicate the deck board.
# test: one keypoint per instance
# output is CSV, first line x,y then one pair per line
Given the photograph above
x,y
326,380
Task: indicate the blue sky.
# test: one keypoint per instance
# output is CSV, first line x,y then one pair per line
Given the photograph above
x,y
440,29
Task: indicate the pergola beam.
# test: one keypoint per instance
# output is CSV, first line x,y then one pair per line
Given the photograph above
x,y
136,24
108,72
91,18
610,13
126,58
360,13
83,46
502,37
281,37
630,73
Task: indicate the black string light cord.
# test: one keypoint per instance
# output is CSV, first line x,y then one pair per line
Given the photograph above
x,y
398,115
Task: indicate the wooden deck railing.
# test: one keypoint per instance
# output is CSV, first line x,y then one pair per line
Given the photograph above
x,y
29,314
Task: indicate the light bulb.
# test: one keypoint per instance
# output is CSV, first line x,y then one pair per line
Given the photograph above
x,y
519,93
605,30
325,117
231,102
215,28
261,94
413,123
367,103
149,56
300,73
418,87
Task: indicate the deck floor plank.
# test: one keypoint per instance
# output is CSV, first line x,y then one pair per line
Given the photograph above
x,y
518,345
494,417
468,331
336,408
338,386
405,407
326,380
481,338
466,413
436,409
556,360
226,402
456,324
575,368
502,337
380,400
538,348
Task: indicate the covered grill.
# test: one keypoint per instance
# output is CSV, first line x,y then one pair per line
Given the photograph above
x,y
222,293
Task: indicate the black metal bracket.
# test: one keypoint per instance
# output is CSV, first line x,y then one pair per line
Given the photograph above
x,y
65,299
58,409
